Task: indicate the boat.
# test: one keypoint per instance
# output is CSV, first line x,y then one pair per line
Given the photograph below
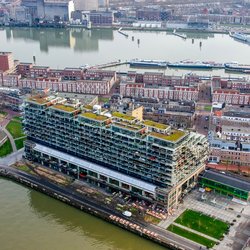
x,y
190,64
148,63
240,36
234,66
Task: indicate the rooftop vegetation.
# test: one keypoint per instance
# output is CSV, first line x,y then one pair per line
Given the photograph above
x,y
123,116
38,99
64,108
89,107
173,136
155,124
95,117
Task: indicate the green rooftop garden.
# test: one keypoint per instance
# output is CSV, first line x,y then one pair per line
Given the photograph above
x,y
155,124
123,116
64,108
133,127
89,107
38,99
173,136
95,117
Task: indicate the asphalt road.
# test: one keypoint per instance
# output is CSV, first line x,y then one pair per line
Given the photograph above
x,y
71,194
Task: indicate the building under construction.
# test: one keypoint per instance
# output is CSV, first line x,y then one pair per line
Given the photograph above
x,y
115,151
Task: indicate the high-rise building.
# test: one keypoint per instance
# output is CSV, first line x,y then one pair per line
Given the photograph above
x,y
114,151
86,4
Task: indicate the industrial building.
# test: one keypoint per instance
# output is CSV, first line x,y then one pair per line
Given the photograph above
x,y
115,151
226,184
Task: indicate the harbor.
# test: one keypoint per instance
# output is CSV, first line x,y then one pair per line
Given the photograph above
x,y
78,47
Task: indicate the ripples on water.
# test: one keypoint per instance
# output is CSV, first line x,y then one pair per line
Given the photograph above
x,y
32,221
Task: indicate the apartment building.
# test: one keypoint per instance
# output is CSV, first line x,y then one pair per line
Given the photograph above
x,y
114,151
230,143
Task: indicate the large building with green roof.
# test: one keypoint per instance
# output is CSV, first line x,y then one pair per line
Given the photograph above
x,y
113,150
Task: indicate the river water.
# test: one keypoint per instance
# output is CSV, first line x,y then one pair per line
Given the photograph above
x,y
32,221
59,48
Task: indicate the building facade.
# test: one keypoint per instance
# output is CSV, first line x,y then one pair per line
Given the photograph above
x,y
6,61
116,151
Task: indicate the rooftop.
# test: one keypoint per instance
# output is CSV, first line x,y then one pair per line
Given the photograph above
x,y
95,117
241,114
155,124
123,116
227,179
38,99
173,136
64,108
128,126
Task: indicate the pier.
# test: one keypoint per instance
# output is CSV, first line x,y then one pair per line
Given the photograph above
x,y
109,64
179,35
123,33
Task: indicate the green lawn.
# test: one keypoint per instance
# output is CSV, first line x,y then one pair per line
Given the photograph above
x,y
207,108
20,143
6,149
203,223
191,236
15,128
3,113
103,99
17,118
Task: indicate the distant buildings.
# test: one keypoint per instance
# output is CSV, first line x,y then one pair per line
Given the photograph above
x,y
230,138
158,85
236,92
50,9
114,151
86,5
6,61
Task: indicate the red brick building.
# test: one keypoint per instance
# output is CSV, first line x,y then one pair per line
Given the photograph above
x,y
6,61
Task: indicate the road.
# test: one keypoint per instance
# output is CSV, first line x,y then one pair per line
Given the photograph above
x,y
85,201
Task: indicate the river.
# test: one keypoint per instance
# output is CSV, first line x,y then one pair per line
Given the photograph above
x,y
60,48
32,221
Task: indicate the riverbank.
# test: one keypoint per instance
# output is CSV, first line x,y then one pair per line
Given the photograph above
x,y
144,230
163,29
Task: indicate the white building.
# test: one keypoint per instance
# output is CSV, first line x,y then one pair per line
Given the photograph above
x,y
86,4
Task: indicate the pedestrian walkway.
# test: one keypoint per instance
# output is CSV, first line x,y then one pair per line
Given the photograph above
x,y
12,141
195,232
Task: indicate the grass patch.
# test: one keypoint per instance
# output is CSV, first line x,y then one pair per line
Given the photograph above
x,y
20,143
151,219
3,113
17,118
191,236
103,99
6,149
15,129
207,108
203,223
25,168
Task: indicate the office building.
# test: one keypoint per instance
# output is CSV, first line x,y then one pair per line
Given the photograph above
x,y
114,151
